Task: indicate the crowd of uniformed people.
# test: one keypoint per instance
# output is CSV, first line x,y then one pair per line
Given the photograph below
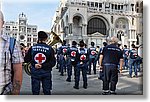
x,y
83,59
71,60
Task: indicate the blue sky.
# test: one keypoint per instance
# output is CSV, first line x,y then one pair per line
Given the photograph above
x,y
38,12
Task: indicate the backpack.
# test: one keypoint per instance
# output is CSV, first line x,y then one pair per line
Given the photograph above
x,y
8,87
11,49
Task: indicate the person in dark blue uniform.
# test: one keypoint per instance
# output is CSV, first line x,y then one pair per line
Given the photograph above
x,y
101,72
58,59
111,56
63,57
42,61
92,58
82,59
133,55
72,60
125,56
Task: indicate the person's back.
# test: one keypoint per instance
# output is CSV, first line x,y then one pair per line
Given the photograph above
x,y
125,51
92,58
133,55
82,59
109,59
42,58
112,54
42,54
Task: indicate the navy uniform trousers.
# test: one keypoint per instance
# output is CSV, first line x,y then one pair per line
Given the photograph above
x,y
83,68
41,76
63,65
92,60
110,77
69,69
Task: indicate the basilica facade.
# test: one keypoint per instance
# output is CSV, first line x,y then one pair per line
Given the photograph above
x,y
98,20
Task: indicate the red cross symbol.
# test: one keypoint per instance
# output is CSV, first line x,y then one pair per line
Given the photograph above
x,y
92,52
40,58
83,57
73,54
126,52
64,50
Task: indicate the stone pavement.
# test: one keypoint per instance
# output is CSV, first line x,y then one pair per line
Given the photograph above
x,y
125,86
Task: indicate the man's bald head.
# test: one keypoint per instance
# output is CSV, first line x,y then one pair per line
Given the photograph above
x,y
1,16
1,20
114,40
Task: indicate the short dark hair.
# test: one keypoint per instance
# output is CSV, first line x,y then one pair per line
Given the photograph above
x,y
42,35
97,46
22,44
92,43
81,43
133,46
105,43
64,42
125,46
74,43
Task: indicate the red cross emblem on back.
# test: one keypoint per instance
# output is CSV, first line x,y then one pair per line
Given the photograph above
x,y
40,58
64,50
73,54
93,52
82,57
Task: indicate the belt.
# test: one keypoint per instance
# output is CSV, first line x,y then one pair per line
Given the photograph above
x,y
110,64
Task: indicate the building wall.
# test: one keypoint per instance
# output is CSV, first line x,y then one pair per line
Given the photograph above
x,y
24,33
119,17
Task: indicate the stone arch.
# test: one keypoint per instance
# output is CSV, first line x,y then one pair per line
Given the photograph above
x,y
80,15
77,25
120,33
122,25
141,7
67,20
122,29
99,24
62,25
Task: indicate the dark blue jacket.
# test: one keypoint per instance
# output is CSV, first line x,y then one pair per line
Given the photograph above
x,y
43,54
92,52
72,53
112,54
83,55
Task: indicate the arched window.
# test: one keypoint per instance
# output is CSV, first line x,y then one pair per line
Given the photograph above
x,y
96,25
137,37
76,27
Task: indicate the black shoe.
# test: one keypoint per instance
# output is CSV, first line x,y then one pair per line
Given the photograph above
x,y
113,93
75,87
85,87
135,76
106,93
68,80
89,73
61,74
129,76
